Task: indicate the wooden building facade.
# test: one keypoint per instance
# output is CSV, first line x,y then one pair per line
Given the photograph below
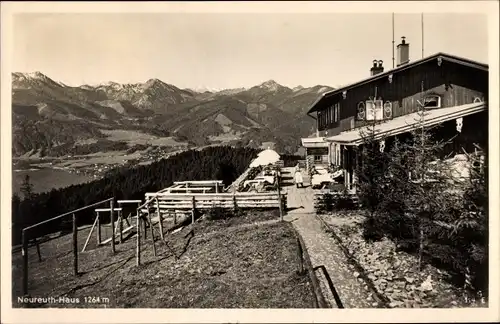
x,y
453,90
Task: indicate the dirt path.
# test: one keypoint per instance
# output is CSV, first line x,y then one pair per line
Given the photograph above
x,y
323,250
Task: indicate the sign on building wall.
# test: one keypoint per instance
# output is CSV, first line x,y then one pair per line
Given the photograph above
x,y
317,151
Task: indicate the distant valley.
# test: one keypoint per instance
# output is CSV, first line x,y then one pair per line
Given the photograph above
x,y
91,128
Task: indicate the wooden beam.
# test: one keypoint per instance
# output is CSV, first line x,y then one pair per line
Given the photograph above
x,y
66,214
25,262
279,199
199,182
152,233
90,234
160,219
117,234
120,219
98,229
112,227
138,243
108,209
38,250
193,211
211,196
75,246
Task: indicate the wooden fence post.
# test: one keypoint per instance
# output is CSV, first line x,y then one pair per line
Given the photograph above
x,y
120,219
145,225
193,211
98,229
75,245
112,227
175,217
38,250
160,218
152,233
25,262
279,198
235,205
138,247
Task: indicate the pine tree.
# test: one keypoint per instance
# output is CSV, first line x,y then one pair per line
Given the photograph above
x,y
468,228
371,179
406,186
27,188
426,189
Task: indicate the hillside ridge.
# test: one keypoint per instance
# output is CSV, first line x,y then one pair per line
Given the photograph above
x,y
48,114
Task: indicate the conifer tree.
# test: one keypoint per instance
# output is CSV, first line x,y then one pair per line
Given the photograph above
x,y
27,188
370,170
427,188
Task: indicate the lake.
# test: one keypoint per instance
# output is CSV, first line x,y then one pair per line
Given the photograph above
x,y
47,179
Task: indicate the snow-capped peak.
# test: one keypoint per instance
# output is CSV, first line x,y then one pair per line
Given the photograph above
x,y
270,85
27,80
36,75
30,75
202,89
323,89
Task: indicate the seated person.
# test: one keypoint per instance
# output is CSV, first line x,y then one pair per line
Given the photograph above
x,y
314,171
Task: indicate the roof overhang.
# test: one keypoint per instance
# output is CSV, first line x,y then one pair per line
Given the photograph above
x,y
314,142
406,123
443,56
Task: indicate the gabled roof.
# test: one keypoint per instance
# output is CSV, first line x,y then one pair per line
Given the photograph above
x,y
443,56
313,142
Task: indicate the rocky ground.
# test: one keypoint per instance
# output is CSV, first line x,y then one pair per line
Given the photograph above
x,y
395,275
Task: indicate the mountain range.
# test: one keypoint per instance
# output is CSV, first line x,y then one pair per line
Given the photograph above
x,y
49,115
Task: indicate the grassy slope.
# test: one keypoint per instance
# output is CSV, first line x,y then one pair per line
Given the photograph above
x,y
226,264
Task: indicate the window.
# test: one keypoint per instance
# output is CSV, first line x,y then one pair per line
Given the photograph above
x,y
374,110
318,158
336,112
329,116
432,102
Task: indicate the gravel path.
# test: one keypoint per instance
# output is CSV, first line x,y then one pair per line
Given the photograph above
x,y
323,250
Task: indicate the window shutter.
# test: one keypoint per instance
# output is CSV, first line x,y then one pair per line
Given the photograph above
x,y
361,111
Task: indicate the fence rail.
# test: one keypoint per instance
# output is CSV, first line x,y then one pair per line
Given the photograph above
x,y
325,199
26,237
168,201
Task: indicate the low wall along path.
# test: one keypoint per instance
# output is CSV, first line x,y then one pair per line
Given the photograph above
x,y
322,248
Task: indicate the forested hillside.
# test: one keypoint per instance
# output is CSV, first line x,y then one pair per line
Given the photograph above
x,y
217,163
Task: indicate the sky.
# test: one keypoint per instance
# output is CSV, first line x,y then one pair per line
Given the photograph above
x,y
231,50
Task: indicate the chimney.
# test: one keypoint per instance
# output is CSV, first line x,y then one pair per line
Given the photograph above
x,y
377,67
403,53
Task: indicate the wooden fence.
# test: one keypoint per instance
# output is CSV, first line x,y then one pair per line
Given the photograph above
x,y
29,235
173,201
327,200
167,204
